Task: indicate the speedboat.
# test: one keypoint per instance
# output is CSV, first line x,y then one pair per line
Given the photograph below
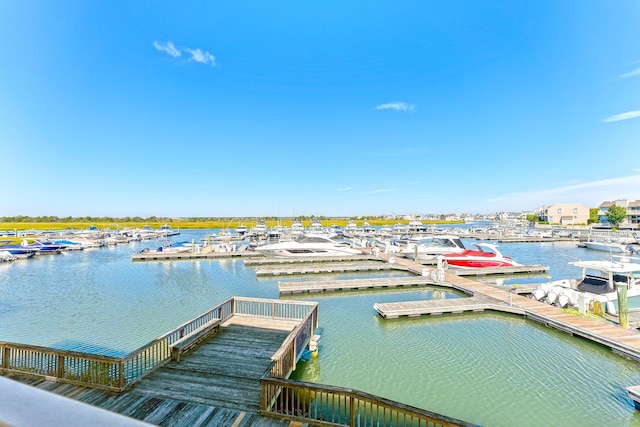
x,y
609,246
16,250
428,248
166,230
44,246
486,255
596,286
308,246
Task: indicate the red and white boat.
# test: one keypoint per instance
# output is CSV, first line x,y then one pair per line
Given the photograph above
x,y
487,255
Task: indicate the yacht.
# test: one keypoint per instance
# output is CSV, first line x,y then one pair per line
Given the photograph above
x,y
597,286
427,249
308,246
486,255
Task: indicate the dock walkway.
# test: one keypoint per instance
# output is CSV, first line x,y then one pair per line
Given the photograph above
x,y
217,384
296,287
487,297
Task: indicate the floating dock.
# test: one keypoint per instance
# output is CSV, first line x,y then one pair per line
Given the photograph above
x,y
324,268
353,284
625,342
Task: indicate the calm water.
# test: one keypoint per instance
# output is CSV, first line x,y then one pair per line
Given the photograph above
x,y
491,369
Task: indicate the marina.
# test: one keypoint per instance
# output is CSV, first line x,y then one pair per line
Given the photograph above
x,y
240,275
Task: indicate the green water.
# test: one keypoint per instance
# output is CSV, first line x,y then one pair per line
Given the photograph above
x,y
490,369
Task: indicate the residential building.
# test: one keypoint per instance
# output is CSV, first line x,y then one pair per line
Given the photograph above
x,y
632,207
564,214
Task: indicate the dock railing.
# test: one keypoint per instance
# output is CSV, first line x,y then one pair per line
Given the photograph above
x,y
118,373
319,404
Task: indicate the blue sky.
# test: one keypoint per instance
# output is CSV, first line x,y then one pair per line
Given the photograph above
x,y
334,108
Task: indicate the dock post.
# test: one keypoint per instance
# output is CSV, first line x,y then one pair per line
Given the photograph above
x,y
623,307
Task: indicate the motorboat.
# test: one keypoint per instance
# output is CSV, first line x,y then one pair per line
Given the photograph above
x,y
297,229
43,247
486,255
597,285
166,230
308,246
259,230
175,247
16,249
612,246
242,230
427,249
351,228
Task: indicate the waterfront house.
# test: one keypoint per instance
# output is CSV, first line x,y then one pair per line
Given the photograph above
x,y
632,207
564,214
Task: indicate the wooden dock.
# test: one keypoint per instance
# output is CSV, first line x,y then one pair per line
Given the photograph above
x,y
218,384
206,253
310,286
501,298
325,267
493,271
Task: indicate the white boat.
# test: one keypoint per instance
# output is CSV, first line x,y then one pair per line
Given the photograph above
x,y
167,230
308,246
597,285
259,230
297,229
351,228
242,230
428,248
608,246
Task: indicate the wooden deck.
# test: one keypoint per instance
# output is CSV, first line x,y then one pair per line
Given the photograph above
x,y
492,271
217,384
500,298
327,267
178,256
352,284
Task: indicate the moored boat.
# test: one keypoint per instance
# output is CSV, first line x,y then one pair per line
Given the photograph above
x,y
486,255
427,249
307,246
596,286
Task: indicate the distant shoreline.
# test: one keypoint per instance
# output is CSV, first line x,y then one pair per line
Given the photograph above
x,y
233,223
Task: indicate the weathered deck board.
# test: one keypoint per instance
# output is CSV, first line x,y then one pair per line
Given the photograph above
x,y
278,270
352,284
216,384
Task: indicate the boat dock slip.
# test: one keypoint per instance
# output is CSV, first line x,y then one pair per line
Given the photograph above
x,y
327,268
177,256
500,298
440,306
262,260
352,284
487,271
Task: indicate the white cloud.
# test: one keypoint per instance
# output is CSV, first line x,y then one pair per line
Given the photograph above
x,y
624,116
633,73
201,56
197,55
167,48
398,106
382,190
344,189
590,194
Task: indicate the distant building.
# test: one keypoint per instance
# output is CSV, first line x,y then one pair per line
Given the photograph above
x,y
564,214
632,207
